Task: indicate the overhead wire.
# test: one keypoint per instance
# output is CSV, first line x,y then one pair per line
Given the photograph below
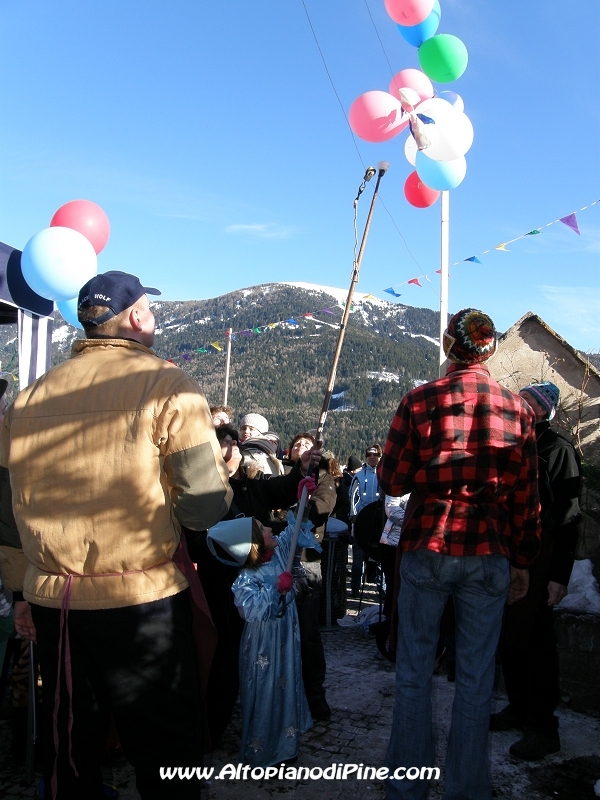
x,y
348,121
332,83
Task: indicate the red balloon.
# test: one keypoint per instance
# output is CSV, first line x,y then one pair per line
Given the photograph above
x,y
417,193
87,218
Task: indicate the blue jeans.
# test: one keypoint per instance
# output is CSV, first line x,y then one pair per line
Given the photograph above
x,y
480,588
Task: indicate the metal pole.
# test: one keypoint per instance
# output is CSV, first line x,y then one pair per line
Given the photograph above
x,y
383,167
227,363
444,261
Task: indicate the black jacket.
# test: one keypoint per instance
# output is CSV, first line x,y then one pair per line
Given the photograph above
x,y
559,480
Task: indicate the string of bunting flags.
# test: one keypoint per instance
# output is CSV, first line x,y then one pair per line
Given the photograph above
x,y
248,333
570,220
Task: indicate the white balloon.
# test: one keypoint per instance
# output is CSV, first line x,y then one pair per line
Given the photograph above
x,y
452,134
411,150
57,261
435,107
454,99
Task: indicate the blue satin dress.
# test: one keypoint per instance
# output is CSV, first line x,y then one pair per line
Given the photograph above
x,y
274,706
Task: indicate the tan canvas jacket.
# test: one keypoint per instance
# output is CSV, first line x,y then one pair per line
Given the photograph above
x,y
107,454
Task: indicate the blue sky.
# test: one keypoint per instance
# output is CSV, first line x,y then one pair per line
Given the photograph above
x,y
211,136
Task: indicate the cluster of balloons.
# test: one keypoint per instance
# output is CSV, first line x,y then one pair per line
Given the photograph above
x,y
58,260
441,133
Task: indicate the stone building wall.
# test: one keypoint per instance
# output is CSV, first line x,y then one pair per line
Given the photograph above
x,y
530,352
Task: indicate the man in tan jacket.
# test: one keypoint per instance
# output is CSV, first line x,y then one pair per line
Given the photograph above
x,y
107,455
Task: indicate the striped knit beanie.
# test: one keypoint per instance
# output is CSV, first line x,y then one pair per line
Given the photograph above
x,y
470,337
547,395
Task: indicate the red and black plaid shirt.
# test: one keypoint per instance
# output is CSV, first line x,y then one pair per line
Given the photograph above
x,y
466,446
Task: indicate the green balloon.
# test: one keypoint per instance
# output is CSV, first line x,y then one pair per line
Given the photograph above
x,y
443,58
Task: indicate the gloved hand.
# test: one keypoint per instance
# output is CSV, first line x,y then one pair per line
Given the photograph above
x,y
310,485
285,582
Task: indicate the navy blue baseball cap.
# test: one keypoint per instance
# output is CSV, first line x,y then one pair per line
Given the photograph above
x,y
115,289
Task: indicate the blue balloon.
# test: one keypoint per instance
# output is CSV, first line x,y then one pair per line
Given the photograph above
x,y
68,309
56,262
417,34
440,175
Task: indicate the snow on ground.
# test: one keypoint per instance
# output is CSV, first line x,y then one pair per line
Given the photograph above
x,y
62,334
436,342
340,295
388,377
583,589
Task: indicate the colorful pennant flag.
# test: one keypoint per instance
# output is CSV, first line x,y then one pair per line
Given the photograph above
x,y
201,350
186,357
415,281
391,291
291,321
571,222
216,345
256,330
246,333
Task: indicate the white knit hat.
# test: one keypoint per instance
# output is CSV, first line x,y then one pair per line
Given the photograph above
x,y
255,421
233,537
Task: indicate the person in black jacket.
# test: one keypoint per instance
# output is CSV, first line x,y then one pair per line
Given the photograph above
x,y
528,644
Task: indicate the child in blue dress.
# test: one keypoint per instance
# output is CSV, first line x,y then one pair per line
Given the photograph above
x,y
274,706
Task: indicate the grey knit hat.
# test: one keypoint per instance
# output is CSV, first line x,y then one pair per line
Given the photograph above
x,y
255,421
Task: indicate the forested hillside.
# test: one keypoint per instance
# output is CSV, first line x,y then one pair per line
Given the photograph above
x,y
285,337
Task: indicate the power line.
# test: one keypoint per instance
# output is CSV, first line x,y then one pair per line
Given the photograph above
x,y
332,83
379,37
346,116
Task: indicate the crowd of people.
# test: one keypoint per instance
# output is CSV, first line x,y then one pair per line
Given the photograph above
x,y
153,553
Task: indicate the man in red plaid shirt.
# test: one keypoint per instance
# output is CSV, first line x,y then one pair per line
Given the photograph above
x,y
465,448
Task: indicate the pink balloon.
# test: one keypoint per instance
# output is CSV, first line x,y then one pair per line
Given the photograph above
x,y
412,79
377,116
87,218
409,12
